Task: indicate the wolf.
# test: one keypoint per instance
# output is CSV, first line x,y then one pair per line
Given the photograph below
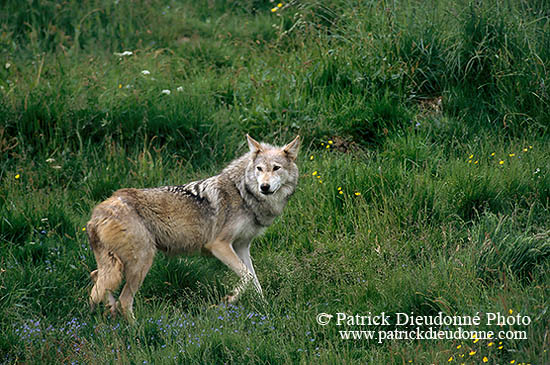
x,y
219,215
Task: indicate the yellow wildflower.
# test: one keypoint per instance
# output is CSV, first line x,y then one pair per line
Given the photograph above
x,y
490,344
511,311
501,162
274,10
450,359
530,147
339,188
525,150
328,146
485,359
340,192
311,157
476,340
472,353
458,347
330,142
83,229
475,163
120,86
471,156
280,5
492,154
17,176
513,362
512,154
314,173
357,193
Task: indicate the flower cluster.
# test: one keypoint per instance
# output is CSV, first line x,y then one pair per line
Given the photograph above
x,y
188,331
34,333
279,6
499,160
316,174
479,352
147,73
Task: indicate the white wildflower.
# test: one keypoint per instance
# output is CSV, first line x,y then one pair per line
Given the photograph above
x,y
165,92
179,89
145,72
122,54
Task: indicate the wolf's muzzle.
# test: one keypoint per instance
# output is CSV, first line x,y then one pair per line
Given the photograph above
x,y
264,188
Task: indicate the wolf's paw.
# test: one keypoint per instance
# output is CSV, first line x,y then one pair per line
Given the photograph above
x,y
228,299
127,313
115,308
130,317
108,313
111,310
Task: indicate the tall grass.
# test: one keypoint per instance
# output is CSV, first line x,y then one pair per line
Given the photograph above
x,y
424,172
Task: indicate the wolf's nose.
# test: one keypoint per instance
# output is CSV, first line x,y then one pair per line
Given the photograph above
x,y
264,188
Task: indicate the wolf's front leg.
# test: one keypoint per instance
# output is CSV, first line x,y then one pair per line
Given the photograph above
x,y
243,251
223,250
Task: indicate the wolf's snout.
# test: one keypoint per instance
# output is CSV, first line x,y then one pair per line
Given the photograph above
x,y
265,188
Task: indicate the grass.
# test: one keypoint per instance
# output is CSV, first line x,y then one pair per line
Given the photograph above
x,y
424,173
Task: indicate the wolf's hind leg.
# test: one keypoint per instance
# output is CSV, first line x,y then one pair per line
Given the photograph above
x,y
107,278
134,272
93,275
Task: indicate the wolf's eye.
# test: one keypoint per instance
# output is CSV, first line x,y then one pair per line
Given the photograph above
x,y
275,168
259,168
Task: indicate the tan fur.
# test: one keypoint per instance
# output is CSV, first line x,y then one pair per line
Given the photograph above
x,y
219,215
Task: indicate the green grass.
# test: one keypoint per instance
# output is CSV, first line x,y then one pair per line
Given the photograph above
x,y
432,119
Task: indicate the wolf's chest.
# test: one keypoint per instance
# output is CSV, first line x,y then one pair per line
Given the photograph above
x,y
246,228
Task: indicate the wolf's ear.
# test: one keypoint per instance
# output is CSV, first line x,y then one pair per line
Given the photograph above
x,y
255,146
291,149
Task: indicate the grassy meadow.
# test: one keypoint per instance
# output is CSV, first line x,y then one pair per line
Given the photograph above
x,y
425,181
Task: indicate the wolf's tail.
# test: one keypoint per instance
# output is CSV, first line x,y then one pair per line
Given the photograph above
x,y
108,276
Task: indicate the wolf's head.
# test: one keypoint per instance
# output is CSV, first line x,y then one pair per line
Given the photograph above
x,y
272,170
